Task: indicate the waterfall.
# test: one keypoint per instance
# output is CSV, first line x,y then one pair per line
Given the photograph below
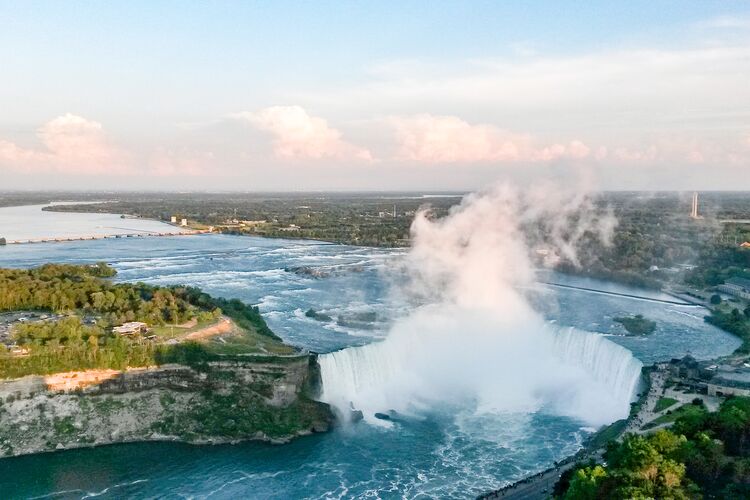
x,y
573,372
608,363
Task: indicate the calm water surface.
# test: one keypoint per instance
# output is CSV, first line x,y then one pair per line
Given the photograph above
x,y
30,222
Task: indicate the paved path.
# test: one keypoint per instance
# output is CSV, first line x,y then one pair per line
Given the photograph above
x,y
647,414
540,485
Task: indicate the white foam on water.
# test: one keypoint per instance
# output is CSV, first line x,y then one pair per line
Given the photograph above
x,y
477,337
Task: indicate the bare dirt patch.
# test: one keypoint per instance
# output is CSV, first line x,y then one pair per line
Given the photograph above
x,y
224,326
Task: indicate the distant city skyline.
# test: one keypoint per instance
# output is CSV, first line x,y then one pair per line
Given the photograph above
x,y
371,96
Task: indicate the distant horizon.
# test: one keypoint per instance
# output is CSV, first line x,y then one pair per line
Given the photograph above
x,y
363,192
374,96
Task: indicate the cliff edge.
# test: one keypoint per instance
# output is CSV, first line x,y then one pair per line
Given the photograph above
x,y
268,398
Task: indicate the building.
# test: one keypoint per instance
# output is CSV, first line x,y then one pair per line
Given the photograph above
x,y
183,222
131,328
729,381
686,368
19,351
737,287
706,378
173,219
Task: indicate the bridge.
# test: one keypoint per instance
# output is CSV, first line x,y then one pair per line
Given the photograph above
x,y
140,234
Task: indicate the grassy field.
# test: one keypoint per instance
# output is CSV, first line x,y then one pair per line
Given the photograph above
x,y
671,416
247,342
664,403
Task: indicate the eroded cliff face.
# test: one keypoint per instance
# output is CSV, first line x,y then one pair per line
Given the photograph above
x,y
268,399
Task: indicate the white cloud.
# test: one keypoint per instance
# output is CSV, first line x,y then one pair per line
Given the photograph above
x,y
449,139
298,135
72,144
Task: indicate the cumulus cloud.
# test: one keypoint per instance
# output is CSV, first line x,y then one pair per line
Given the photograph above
x,y
71,144
449,139
299,135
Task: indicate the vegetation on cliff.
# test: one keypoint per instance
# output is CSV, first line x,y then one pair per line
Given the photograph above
x,y
267,398
88,305
704,454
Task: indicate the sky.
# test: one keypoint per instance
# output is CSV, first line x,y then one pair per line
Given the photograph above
x,y
380,95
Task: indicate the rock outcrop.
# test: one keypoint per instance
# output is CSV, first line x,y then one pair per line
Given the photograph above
x,y
264,398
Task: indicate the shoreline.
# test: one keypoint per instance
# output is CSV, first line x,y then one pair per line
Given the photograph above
x,y
540,484
122,233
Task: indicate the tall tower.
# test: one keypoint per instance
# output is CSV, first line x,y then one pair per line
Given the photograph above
x,y
694,208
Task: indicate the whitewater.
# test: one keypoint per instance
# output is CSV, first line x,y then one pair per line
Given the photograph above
x,y
474,337
464,429
569,372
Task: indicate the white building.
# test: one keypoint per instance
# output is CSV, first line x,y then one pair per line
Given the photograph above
x,y
183,222
739,287
131,328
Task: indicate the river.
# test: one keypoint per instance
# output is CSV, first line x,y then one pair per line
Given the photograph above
x,y
30,222
446,451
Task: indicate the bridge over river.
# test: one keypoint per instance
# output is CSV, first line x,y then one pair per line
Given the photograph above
x,y
140,234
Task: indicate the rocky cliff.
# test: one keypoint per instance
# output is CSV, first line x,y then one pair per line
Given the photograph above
x,y
263,398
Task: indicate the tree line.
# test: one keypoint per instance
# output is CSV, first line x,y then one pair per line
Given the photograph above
x,y
705,454
69,343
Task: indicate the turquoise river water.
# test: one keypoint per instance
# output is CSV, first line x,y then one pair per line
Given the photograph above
x,y
441,451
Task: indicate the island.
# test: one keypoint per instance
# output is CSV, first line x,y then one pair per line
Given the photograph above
x,y
318,316
85,361
637,325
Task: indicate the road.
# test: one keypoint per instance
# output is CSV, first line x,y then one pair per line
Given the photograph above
x,y
540,485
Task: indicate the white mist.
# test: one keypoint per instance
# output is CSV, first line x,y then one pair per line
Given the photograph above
x,y
477,339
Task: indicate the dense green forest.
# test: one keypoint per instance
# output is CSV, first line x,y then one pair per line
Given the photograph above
x,y
68,288
735,322
705,454
69,343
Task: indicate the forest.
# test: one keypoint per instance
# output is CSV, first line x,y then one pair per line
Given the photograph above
x,y
83,291
704,455
69,288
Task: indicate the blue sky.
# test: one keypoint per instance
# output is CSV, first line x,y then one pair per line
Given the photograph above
x,y
374,95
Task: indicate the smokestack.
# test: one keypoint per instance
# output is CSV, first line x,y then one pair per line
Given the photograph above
x,y
694,207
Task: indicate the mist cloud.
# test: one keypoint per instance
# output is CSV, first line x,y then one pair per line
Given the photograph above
x,y
475,340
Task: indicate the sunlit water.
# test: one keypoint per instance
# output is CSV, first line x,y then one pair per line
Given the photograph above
x,y
441,452
30,222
